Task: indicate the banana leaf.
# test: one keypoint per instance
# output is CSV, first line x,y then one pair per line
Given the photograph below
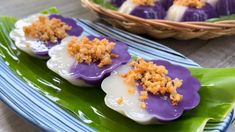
x,y
105,4
52,10
87,104
223,18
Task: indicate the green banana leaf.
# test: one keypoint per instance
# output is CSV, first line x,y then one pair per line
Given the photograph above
x,y
105,4
87,104
231,17
52,10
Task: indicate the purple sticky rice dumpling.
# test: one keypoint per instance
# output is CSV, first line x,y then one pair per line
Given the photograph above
x,y
166,3
158,107
83,74
223,7
193,12
154,10
189,90
35,47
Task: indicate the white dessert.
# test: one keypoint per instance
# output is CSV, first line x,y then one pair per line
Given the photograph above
x,y
24,43
115,88
127,7
176,13
61,62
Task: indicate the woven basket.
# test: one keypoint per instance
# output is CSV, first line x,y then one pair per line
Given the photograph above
x,y
161,29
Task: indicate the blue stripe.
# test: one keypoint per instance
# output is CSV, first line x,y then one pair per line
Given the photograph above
x,y
220,126
34,104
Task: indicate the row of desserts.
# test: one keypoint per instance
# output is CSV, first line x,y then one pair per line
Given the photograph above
x,y
147,91
176,10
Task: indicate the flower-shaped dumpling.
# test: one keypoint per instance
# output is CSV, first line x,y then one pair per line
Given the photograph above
x,y
190,10
85,61
223,7
148,9
36,34
150,92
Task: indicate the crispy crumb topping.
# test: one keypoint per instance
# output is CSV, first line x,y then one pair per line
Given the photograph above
x,y
46,29
143,95
144,2
119,101
190,3
131,90
154,79
88,51
142,105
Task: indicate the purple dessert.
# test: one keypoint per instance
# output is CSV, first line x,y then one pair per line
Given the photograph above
x,y
202,14
198,11
166,3
116,3
34,34
223,7
92,74
145,105
189,90
82,73
150,10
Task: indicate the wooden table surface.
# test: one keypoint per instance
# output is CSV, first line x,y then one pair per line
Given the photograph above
x,y
212,53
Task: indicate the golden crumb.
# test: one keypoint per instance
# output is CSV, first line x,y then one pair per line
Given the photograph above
x,y
88,51
27,45
131,90
190,3
154,79
144,2
47,30
143,95
119,100
143,105
143,98
176,98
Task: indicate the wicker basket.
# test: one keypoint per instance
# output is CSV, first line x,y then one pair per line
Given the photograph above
x,y
161,29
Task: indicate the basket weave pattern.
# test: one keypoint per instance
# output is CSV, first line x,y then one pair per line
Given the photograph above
x,y
161,29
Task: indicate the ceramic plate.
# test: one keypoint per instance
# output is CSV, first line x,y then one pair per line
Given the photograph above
x,y
32,91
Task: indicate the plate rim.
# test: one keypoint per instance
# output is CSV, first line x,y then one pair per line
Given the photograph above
x,y
6,73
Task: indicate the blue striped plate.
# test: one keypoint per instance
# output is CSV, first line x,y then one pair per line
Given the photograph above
x,y
43,113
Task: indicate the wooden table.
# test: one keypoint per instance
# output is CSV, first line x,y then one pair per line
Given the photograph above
x,y
212,53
